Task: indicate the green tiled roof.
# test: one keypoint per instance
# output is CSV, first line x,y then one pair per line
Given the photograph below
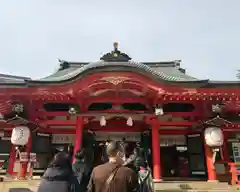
x,y
163,71
174,74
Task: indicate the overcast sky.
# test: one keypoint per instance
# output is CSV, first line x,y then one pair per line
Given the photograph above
x,y
204,34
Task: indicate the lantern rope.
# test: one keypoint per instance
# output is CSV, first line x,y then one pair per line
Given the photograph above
x,y
25,121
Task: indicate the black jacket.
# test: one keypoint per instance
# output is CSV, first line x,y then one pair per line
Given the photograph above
x,y
57,179
82,172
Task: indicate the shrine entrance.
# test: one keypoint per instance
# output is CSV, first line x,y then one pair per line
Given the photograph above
x,y
130,138
169,162
100,156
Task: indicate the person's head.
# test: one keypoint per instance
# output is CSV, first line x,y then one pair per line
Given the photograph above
x,y
61,159
136,151
115,151
81,154
139,162
107,142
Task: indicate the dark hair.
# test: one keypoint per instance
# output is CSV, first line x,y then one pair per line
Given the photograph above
x,y
61,159
80,154
139,162
113,148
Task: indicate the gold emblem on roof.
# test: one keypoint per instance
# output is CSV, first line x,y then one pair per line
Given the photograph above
x,y
115,80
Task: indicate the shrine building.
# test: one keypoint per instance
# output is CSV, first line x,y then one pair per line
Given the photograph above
x,y
154,103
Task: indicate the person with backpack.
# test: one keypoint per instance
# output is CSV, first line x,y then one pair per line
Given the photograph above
x,y
145,181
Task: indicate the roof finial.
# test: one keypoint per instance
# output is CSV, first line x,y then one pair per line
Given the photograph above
x,y
115,46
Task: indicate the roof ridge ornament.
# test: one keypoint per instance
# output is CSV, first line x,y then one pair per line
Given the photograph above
x,y
115,55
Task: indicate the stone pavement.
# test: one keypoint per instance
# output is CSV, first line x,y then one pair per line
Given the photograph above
x,y
31,185
12,184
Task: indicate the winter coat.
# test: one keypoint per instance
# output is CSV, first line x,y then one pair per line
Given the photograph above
x,y
82,172
57,179
145,180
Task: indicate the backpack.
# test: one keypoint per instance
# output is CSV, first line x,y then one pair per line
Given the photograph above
x,y
145,181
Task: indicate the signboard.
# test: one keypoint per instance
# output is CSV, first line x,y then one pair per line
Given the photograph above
x,y
170,140
63,138
33,157
23,157
117,136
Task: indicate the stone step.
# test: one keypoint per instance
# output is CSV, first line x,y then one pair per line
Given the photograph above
x,y
188,186
227,190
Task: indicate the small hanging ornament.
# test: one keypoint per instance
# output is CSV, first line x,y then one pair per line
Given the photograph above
x,y
130,121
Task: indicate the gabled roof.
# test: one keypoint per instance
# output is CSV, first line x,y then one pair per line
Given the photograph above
x,y
165,71
121,62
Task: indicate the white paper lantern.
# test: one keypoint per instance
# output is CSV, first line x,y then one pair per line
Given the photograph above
x,y
213,136
20,135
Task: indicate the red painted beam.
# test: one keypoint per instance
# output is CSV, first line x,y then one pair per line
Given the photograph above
x,y
92,113
116,129
119,129
178,124
46,113
73,123
92,124
185,114
113,100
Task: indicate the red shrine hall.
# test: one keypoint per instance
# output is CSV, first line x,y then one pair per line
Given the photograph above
x,y
153,103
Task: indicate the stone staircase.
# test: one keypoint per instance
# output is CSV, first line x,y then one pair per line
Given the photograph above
x,y
196,186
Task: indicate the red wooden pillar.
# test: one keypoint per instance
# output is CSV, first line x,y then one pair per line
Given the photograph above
x,y
24,165
78,135
12,159
212,176
156,151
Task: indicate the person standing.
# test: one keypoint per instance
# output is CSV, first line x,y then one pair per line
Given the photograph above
x,y
112,176
81,169
145,180
59,176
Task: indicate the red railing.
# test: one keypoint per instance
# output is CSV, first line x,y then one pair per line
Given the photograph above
x,y
234,172
231,172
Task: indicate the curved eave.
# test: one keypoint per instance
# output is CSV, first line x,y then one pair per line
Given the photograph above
x,y
223,84
13,84
101,66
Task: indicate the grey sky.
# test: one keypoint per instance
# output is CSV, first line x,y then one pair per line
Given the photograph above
x,y
204,34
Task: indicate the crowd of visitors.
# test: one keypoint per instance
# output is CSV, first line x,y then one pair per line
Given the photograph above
x,y
118,173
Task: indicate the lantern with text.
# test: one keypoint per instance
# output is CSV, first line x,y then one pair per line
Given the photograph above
x,y
23,157
20,135
214,139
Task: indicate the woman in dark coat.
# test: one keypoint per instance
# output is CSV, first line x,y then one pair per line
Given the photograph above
x,y
59,176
